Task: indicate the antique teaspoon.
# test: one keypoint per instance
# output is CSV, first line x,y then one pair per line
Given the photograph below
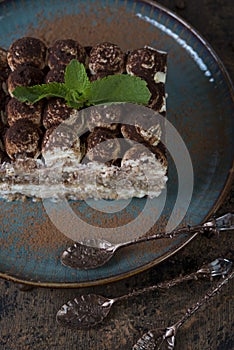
x,y
94,253
85,311
164,339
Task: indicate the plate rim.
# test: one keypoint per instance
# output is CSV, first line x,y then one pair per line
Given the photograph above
x,y
215,207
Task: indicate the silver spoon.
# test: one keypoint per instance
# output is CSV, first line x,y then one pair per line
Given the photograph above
x,y
85,311
164,339
94,253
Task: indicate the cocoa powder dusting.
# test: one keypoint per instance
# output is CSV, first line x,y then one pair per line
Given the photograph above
x,y
94,27
37,234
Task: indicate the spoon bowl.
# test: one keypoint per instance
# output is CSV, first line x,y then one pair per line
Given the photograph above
x,y
84,311
94,253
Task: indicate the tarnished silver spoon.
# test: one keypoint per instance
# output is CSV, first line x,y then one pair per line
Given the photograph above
x,y
85,311
164,339
92,254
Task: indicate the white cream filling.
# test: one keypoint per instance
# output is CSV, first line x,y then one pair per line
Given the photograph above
x,y
160,77
133,179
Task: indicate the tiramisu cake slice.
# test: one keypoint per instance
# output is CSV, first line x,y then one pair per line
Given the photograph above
x,y
53,149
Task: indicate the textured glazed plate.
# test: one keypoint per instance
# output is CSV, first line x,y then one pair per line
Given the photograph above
x,y
200,106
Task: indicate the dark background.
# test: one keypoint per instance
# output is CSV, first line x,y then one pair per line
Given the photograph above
x,y
27,319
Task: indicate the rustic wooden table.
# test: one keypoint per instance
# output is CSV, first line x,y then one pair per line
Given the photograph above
x,y
27,319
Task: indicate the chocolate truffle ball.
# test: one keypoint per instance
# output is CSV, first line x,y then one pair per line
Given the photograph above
x,y
140,154
55,112
22,140
102,146
24,76
146,130
55,75
148,64
61,143
27,50
136,153
19,110
106,57
104,116
63,51
62,137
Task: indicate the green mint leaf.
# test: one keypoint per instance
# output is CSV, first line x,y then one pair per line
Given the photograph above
x,y
75,105
76,77
119,88
35,93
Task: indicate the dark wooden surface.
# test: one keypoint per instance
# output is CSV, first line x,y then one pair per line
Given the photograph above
x,y
27,319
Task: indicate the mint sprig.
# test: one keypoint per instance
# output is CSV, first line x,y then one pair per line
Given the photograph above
x,y
35,93
79,92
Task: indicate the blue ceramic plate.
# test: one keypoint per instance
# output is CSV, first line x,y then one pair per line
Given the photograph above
x,y
200,106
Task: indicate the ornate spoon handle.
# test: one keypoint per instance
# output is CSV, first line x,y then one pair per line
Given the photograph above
x,y
85,311
164,339
218,267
